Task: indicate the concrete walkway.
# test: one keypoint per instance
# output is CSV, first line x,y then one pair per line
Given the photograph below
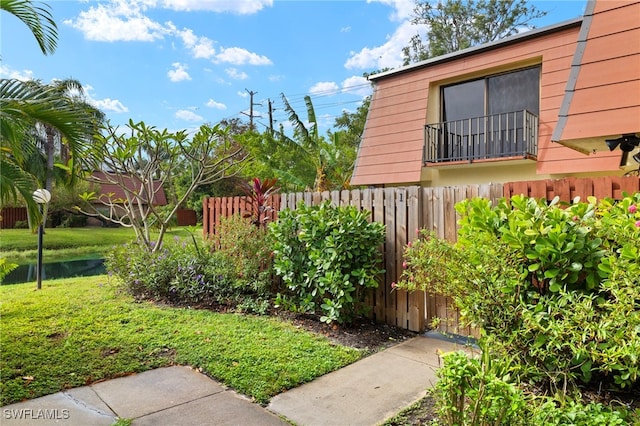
x,y
364,393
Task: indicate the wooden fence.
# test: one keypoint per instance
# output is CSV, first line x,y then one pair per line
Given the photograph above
x,y
404,211
10,215
570,188
215,208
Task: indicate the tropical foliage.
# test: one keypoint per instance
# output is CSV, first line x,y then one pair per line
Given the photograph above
x,y
233,269
32,112
305,160
554,287
38,18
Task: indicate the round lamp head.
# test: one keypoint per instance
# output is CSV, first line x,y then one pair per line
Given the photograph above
x,y
41,196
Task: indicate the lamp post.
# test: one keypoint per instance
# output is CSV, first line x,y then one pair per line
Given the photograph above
x,y
42,197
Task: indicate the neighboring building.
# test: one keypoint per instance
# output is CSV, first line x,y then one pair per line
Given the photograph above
x,y
108,191
537,105
115,192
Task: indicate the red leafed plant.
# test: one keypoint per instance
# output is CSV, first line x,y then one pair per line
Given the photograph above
x,y
258,192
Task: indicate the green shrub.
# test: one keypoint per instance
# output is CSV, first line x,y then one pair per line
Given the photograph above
x,y
247,251
575,413
472,391
75,221
556,286
21,224
163,212
233,270
326,256
484,391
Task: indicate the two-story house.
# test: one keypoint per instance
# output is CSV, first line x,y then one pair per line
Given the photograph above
x,y
558,101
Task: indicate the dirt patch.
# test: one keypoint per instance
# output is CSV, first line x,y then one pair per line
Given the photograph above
x,y
422,412
363,334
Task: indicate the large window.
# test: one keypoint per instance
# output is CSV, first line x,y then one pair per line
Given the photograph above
x,y
496,94
485,118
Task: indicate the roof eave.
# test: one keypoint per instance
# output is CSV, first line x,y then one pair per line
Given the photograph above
x,y
518,38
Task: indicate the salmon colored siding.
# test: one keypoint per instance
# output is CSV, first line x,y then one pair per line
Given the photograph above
x,y
407,99
393,134
603,101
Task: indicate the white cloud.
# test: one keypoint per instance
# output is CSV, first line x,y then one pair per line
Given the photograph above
x,y
324,88
388,55
345,29
104,105
235,74
120,20
240,56
186,115
178,73
357,85
24,75
216,105
241,7
243,94
125,20
110,105
200,47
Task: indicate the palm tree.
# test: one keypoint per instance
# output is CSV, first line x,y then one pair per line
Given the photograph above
x,y
24,106
37,16
14,177
74,92
30,109
307,144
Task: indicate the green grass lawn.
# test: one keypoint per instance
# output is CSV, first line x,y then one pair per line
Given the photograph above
x,y
20,245
77,331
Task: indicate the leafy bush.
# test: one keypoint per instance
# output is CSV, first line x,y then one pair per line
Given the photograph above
x,y
234,269
326,256
21,224
6,268
557,287
484,391
575,413
247,251
472,391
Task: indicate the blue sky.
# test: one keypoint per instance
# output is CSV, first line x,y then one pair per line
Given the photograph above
x,y
178,64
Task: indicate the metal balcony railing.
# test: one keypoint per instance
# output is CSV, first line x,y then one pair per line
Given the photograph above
x,y
512,134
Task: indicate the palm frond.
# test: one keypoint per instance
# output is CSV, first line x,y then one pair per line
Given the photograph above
x,y
13,181
38,18
311,114
22,104
294,119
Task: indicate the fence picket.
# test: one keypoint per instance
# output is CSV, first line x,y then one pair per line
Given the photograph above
x,y
381,294
400,241
416,300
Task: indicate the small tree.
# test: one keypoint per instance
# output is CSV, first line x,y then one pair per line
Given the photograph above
x,y
139,164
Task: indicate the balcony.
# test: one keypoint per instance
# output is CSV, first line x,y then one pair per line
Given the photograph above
x,y
512,134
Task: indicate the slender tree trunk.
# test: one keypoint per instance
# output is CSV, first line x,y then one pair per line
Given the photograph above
x,y
49,150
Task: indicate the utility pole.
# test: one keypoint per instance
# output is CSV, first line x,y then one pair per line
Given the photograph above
x,y
251,104
270,117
